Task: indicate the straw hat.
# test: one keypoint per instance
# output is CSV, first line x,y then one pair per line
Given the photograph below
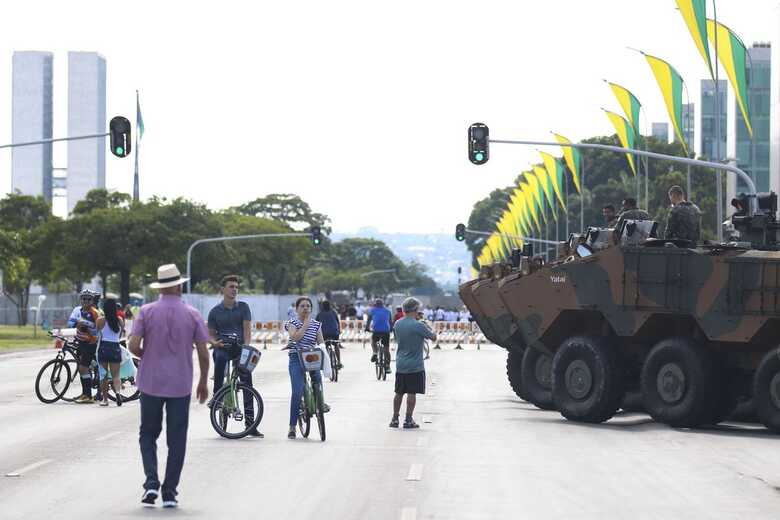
x,y
168,275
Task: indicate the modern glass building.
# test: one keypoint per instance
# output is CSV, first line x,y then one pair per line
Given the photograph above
x,y
688,124
708,120
86,116
661,132
31,166
753,154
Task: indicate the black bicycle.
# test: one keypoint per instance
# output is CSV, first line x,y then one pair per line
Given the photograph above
x,y
334,353
57,377
229,416
381,361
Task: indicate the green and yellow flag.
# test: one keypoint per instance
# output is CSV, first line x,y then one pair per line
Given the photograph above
x,y
524,211
694,12
572,157
629,103
555,172
732,54
536,190
625,134
516,211
531,204
671,84
546,186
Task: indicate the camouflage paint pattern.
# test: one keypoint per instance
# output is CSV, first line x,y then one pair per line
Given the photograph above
x,y
728,297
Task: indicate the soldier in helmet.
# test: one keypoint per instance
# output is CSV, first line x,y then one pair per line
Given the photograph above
x,y
684,217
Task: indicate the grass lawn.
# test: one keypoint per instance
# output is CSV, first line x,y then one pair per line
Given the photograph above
x,y
15,338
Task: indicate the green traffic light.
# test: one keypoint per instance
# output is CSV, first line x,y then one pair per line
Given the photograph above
x,y
479,156
120,150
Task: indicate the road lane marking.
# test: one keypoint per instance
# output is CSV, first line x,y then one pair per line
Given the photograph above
x,y
427,419
422,441
19,472
409,513
107,436
415,472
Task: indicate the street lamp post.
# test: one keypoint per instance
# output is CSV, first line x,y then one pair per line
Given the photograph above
x,y
225,239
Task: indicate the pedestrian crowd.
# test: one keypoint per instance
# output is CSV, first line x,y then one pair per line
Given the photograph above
x,y
167,332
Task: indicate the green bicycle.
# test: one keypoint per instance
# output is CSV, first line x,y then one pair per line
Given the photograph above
x,y
228,417
312,402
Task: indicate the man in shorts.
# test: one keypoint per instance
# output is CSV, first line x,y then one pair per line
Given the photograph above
x,y
409,366
380,324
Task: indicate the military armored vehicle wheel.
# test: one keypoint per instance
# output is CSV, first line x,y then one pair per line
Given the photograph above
x,y
767,390
514,364
537,378
678,380
588,383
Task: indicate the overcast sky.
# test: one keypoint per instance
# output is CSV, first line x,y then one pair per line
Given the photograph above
x,y
359,107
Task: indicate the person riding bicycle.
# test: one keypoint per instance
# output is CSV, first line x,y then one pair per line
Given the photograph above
x,y
331,328
379,316
231,317
84,318
305,333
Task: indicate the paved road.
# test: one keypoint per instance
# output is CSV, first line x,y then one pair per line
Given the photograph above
x,y
483,454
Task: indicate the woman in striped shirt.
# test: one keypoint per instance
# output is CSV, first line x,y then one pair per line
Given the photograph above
x,y
305,332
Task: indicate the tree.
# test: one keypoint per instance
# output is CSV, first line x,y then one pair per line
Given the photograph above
x,y
25,254
286,208
101,199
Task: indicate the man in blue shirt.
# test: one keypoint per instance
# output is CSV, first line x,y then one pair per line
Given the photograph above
x,y
380,316
410,369
226,318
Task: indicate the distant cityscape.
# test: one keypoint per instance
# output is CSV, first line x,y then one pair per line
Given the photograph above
x,y
440,253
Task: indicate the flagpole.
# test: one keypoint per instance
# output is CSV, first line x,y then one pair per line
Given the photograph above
x,y
719,189
582,194
566,198
136,196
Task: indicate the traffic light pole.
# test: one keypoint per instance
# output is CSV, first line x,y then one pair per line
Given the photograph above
x,y
682,160
524,239
225,239
47,141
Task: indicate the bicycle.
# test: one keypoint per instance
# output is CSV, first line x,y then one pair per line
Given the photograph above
x,y
64,373
381,362
225,409
334,353
313,401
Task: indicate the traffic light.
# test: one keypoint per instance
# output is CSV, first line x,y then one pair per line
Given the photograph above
x,y
478,143
119,130
460,232
316,235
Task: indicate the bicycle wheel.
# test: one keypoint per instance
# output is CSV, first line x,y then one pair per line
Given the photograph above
x,y
304,414
128,388
228,418
319,401
334,364
52,381
73,390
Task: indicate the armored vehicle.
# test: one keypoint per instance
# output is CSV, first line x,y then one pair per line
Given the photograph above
x,y
693,327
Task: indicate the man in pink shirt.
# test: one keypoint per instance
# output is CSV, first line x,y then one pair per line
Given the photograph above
x,y
163,336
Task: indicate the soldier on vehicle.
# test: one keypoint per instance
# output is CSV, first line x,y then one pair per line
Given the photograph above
x,y
684,217
610,218
630,211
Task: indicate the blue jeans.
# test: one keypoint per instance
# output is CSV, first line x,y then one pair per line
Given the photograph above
x,y
296,380
177,413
